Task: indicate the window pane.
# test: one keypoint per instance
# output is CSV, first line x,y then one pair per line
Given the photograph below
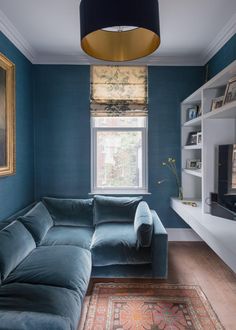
x,y
119,159
119,121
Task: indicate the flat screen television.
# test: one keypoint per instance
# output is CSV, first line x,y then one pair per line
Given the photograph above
x,y
226,196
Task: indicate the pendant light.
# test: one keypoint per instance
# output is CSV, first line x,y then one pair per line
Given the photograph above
x,y
119,30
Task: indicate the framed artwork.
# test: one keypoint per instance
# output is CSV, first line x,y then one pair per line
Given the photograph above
x,y
192,112
192,139
191,164
199,138
7,117
230,93
217,103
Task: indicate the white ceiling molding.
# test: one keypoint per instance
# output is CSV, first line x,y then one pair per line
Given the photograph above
x,y
220,40
153,60
9,30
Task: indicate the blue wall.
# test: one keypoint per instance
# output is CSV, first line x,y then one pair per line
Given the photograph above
x,y
168,86
18,191
222,58
63,130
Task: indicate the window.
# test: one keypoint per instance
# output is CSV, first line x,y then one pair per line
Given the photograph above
x,y
118,130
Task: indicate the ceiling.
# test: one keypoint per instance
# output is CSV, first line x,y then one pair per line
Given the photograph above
x,y
47,31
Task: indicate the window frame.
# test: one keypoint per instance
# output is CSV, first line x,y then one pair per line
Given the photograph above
x,y
121,190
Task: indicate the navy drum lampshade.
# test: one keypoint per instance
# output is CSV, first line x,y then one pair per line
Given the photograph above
x,y
119,30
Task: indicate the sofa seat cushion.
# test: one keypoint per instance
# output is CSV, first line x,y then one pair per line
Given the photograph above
x,y
50,305
116,243
13,320
68,235
62,266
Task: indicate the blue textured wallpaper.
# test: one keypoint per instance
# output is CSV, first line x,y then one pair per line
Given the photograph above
x,y
168,86
62,134
223,57
18,191
63,130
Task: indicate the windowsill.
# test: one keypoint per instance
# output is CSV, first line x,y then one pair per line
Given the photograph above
x,y
106,192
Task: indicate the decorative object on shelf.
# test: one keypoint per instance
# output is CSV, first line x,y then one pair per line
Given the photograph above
x,y
230,92
191,164
192,139
199,138
119,30
193,112
7,117
217,103
199,110
199,165
190,203
171,164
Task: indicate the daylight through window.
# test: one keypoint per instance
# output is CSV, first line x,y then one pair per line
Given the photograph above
x,y
119,129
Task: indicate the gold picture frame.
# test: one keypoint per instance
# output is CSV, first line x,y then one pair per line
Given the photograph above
x,y
7,117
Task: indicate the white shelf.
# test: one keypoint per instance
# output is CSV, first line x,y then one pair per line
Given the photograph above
x,y
192,147
226,111
197,173
218,127
218,233
194,122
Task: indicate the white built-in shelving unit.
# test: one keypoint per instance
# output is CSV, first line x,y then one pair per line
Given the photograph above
x,y
217,127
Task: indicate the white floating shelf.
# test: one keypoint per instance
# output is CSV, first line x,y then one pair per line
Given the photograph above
x,y
226,111
218,233
192,147
194,122
197,173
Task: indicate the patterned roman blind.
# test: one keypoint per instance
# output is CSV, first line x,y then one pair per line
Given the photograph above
x,y
118,91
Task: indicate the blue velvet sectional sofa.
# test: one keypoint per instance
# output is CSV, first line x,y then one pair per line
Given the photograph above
x,y
47,252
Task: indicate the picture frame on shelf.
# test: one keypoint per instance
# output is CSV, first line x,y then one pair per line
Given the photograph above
x,y
199,165
230,92
192,112
199,110
199,138
192,139
217,103
191,164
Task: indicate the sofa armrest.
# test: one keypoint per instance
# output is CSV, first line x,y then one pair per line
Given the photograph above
x,y
159,248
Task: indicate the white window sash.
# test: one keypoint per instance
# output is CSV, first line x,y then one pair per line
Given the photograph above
x,y
120,190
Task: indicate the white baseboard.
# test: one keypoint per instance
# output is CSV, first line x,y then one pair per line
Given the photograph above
x,y
182,235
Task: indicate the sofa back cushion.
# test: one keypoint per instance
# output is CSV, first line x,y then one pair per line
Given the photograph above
x,y
16,243
115,209
70,212
143,225
38,221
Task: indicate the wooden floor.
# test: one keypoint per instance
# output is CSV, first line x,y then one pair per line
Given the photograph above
x,y
195,263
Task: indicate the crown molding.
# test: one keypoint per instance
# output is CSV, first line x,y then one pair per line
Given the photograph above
x,y
10,31
152,60
220,40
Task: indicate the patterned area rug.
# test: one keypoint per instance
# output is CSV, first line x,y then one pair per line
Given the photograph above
x,y
140,306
